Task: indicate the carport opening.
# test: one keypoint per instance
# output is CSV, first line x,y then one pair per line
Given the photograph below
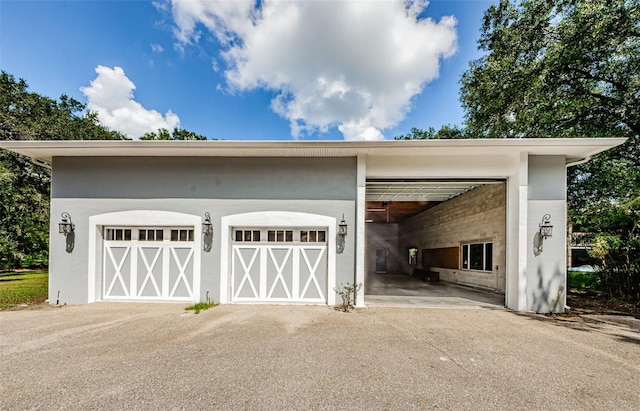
x,y
436,237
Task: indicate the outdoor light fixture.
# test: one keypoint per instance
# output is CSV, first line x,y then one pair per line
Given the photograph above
x,y
207,231
207,227
545,231
342,227
67,228
342,234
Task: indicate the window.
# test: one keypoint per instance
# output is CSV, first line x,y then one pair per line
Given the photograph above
x,y
182,235
313,236
280,236
150,235
248,236
118,234
477,256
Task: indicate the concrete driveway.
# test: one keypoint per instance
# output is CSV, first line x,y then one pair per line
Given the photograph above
x,y
154,356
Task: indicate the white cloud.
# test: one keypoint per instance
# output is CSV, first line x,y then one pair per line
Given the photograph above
x,y
160,5
156,48
111,96
354,65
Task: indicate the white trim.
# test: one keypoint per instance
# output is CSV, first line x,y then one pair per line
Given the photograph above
x,y
276,219
361,240
575,149
523,212
142,218
522,248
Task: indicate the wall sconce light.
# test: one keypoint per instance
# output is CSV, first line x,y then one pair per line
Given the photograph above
x,y
545,231
207,231
342,234
67,228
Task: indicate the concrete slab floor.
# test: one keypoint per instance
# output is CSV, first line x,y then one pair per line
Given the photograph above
x,y
403,290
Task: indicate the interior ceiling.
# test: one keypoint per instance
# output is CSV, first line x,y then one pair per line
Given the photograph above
x,y
395,212
417,190
394,201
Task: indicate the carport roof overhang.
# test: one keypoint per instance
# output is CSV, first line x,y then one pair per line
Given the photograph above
x,y
574,149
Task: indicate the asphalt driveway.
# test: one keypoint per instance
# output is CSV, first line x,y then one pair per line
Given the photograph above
x,y
156,356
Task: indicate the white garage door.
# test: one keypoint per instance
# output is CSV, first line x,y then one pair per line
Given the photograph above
x,y
154,263
279,265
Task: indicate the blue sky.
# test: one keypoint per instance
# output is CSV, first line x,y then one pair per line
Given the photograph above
x,y
236,70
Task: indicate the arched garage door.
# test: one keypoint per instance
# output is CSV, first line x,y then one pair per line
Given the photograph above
x,y
279,265
285,264
149,263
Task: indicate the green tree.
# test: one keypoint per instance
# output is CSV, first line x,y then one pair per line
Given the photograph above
x,y
556,68
570,68
24,209
24,187
446,132
26,115
177,134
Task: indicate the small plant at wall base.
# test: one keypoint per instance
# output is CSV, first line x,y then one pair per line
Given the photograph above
x,y
348,294
201,306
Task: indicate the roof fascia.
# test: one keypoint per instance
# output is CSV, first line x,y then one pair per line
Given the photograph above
x,y
574,149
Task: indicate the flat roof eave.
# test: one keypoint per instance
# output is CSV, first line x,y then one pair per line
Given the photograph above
x,y
574,149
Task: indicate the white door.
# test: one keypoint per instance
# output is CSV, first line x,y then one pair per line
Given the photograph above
x,y
279,265
149,263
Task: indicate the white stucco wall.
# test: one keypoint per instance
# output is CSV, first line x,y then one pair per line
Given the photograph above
x,y
535,186
87,188
546,272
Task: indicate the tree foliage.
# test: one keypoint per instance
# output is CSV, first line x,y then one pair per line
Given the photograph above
x,y
446,132
26,115
556,68
24,187
24,209
177,134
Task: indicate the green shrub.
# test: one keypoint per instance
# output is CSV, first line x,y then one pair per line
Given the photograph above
x,y
36,260
348,294
583,280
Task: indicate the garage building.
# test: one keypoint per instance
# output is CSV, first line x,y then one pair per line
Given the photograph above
x,y
291,221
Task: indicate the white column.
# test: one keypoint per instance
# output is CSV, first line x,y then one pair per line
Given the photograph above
x,y
360,226
516,289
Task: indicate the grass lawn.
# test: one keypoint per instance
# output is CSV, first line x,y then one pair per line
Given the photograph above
x,y
26,287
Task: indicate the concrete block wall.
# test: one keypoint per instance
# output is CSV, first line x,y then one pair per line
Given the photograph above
x,y
476,216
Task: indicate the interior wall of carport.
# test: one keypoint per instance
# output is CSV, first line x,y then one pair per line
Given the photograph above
x,y
478,215
85,187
